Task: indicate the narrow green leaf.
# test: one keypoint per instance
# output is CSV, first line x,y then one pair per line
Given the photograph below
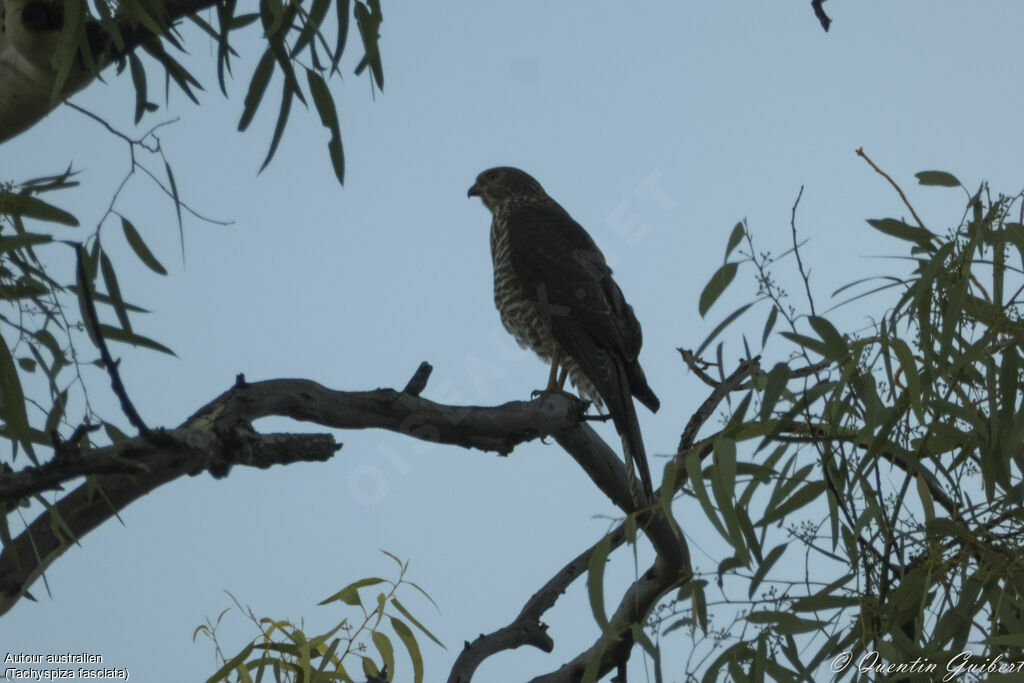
x,y
101,298
386,650
785,622
1009,376
342,7
411,646
808,343
630,529
47,340
329,117
834,341
231,664
23,288
114,434
84,286
350,593
140,248
28,239
415,622
316,15
173,69
640,637
177,206
799,499
114,291
110,27
902,231
368,20
282,121
23,204
776,381
699,603
136,12
722,325
12,408
696,478
913,378
724,467
764,567
716,285
257,86
723,485
735,238
940,178
769,324
139,82
114,334
69,41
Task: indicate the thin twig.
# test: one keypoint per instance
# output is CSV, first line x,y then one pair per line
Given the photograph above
x,y
694,364
697,420
796,250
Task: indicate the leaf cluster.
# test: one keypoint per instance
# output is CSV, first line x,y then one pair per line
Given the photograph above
x,y
876,508
291,655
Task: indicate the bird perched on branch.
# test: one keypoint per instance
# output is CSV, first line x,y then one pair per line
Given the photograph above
x,y
556,296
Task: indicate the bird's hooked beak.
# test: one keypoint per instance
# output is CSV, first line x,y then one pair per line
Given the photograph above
x,y
474,191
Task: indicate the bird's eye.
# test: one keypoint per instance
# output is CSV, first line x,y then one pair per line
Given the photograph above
x,y
490,175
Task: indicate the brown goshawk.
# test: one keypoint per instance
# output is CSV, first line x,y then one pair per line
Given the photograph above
x,y
556,296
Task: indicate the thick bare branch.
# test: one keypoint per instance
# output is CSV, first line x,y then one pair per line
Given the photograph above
x,y
671,569
220,435
130,470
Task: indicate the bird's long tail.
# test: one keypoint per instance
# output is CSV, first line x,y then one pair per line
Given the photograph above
x,y
623,414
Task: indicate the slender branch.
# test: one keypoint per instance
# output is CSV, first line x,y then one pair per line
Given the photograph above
x,y
697,366
706,409
860,153
614,645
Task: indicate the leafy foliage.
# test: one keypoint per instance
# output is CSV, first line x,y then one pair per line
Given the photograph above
x,y
45,346
885,467
297,38
292,655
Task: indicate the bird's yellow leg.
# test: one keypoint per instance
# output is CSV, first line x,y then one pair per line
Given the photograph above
x,y
553,383
562,377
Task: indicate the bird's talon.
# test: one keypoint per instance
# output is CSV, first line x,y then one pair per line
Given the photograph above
x,y
541,393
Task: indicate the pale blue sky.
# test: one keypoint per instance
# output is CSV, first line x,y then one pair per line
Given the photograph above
x,y
729,107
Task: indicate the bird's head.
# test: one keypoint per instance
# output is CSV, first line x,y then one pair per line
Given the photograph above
x,y
497,185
